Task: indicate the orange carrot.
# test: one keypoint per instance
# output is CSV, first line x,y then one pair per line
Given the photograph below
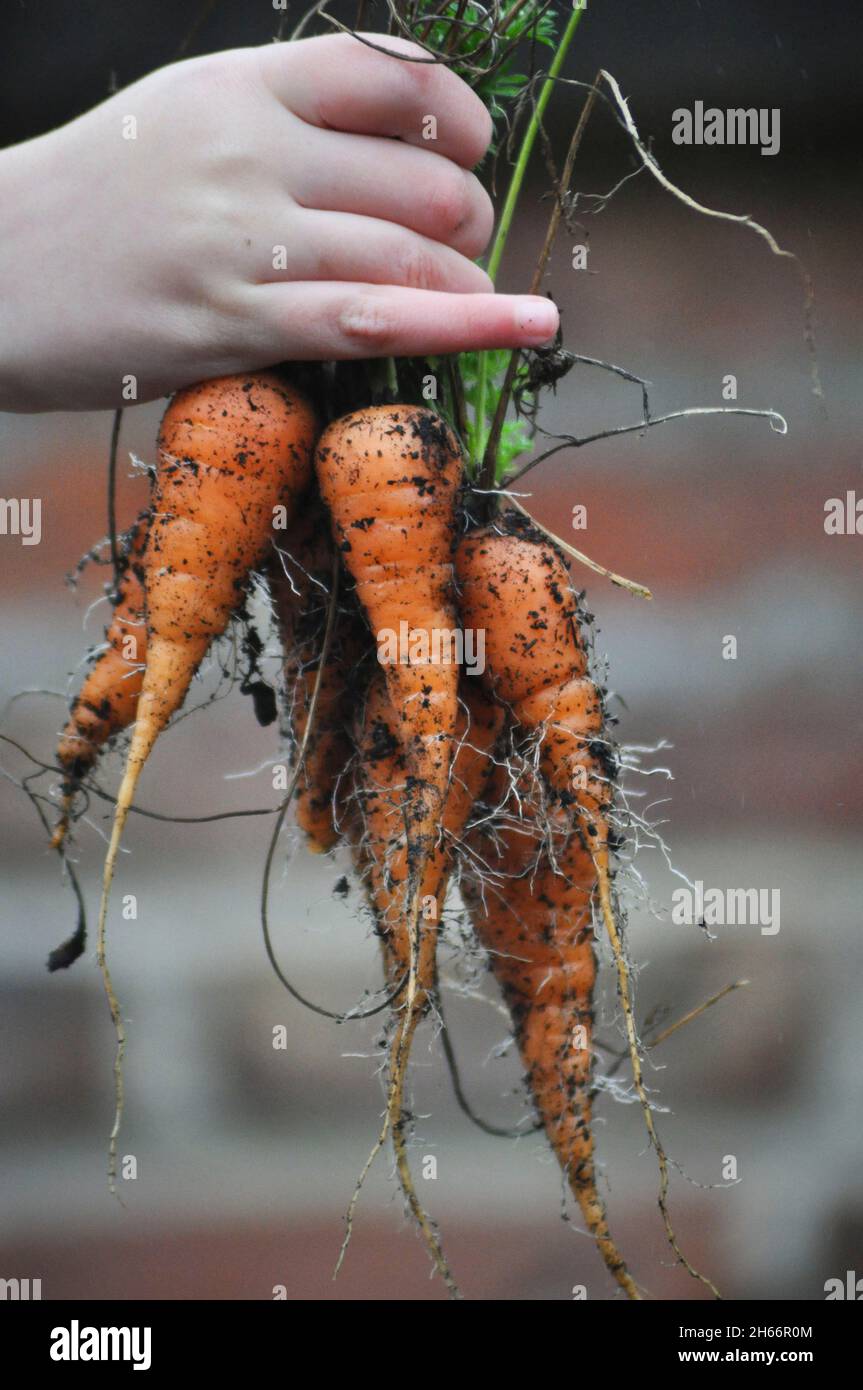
x,y
550,848
390,476
107,701
231,452
300,577
382,853
379,829
531,907
517,590
515,585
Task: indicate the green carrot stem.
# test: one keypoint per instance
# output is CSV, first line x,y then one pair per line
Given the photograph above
x,y
490,472
478,441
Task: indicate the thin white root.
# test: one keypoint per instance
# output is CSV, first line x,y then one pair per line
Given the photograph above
x,y
394,1118
124,801
607,910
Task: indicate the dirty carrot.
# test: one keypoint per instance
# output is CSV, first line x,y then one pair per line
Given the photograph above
x,y
515,585
531,908
538,923
382,855
379,830
299,578
390,476
231,453
536,919
108,699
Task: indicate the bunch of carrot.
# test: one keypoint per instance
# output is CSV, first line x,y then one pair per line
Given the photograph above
x,y
499,783
502,781
380,553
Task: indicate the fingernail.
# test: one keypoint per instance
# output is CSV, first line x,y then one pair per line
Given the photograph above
x,y
536,319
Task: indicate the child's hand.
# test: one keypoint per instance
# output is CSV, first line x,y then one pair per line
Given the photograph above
x,y
233,211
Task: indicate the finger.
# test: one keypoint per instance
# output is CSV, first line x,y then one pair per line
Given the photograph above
x,y
342,83
382,178
332,320
347,248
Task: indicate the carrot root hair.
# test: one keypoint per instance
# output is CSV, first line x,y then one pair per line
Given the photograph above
x,y
144,737
607,912
394,1107
397,1118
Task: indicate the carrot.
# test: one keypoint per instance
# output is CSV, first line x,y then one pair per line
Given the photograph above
x,y
516,589
390,476
380,845
376,829
537,923
531,907
299,578
515,586
231,451
108,699
382,854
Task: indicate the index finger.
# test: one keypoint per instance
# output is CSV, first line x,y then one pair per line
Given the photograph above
x,y
347,82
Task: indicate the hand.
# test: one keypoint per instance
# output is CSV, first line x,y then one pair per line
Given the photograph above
x,y
237,210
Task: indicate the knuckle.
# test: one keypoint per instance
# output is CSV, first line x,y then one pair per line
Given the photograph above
x,y
365,321
200,100
417,267
449,204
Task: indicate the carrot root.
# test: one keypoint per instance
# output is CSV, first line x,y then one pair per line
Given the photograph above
x,y
143,739
394,1120
625,994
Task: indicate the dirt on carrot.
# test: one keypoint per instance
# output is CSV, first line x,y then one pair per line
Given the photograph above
x,y
300,576
108,700
234,457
